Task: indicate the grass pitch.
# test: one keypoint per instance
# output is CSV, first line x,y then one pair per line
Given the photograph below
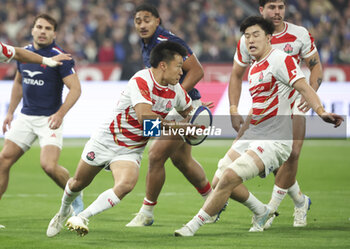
x,y
32,199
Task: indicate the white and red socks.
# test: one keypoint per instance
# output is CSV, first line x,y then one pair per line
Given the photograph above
x,y
205,191
67,199
104,201
256,206
198,220
147,207
277,197
297,196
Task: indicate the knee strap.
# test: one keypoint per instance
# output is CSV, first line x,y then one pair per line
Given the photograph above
x,y
245,167
222,165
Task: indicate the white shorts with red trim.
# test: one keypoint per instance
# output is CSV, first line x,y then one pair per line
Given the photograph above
x,y
26,128
98,154
273,153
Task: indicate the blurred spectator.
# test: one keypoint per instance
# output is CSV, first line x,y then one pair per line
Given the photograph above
x,y
102,31
106,51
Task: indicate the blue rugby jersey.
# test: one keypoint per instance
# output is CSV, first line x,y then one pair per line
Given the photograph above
x,y
160,35
43,85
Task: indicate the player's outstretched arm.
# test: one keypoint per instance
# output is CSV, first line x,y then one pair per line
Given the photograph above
x,y
314,101
194,72
24,55
234,94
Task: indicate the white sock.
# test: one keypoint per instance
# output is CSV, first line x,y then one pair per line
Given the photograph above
x,y
198,220
104,201
147,207
277,197
67,199
256,206
296,195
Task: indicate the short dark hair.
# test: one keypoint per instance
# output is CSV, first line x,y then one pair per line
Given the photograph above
x,y
263,2
48,18
150,8
166,51
265,24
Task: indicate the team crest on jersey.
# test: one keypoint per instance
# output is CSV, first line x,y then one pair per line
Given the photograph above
x,y
261,77
168,106
90,156
288,49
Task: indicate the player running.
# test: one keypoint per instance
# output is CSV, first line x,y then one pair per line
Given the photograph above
x,y
119,143
272,78
297,42
148,25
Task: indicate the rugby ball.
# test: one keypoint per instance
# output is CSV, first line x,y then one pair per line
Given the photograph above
x,y
201,116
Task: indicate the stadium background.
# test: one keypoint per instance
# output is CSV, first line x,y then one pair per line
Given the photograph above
x,y
101,38
105,46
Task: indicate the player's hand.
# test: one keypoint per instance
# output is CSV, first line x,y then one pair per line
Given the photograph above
x,y
7,123
303,105
55,121
209,104
236,121
332,118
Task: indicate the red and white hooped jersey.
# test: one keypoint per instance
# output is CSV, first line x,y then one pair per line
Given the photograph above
x,y
123,128
294,40
7,52
270,85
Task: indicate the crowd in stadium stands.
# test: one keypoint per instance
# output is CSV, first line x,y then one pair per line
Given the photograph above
x,y
102,31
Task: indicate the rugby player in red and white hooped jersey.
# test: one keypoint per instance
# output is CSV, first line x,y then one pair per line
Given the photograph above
x,y
298,43
267,141
118,144
148,26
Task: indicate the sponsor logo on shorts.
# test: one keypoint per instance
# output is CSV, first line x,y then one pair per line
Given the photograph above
x,y
260,149
53,135
90,156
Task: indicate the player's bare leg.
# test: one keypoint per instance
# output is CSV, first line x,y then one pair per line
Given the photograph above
x,y
125,174
82,178
49,162
224,189
229,157
190,168
9,154
285,179
160,151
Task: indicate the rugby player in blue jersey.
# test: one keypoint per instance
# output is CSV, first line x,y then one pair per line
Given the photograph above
x,y
148,25
42,113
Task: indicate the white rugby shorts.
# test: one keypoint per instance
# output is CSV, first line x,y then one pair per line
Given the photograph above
x,y
26,128
100,155
273,153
